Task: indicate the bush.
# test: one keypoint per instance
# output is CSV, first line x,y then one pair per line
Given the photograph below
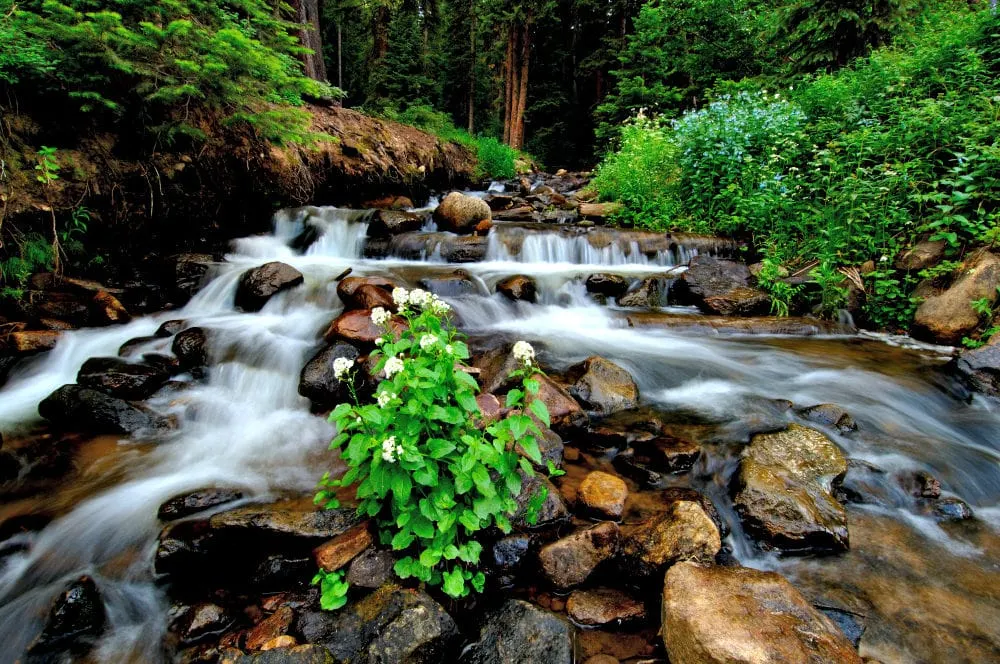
x,y
424,471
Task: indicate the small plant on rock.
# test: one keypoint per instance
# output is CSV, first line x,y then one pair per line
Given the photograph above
x,y
428,469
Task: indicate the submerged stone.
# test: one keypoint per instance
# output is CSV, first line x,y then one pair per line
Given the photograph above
x,y
521,633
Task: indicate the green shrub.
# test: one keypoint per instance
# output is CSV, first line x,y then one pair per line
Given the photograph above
x,y
495,159
424,471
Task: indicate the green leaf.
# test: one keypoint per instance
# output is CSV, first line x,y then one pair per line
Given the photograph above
x,y
532,385
430,557
514,397
541,411
467,400
454,583
438,447
422,527
402,539
478,581
530,447
401,486
518,425
467,380
469,519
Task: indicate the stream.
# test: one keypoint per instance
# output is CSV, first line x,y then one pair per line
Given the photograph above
x,y
930,590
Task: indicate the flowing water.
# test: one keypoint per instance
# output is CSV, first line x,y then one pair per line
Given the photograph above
x,y
931,592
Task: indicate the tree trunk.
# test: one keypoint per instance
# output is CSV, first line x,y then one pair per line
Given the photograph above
x,y
380,32
308,14
517,133
472,66
509,73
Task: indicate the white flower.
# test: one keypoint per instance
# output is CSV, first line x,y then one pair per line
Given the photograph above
x,y
427,341
341,366
380,341
523,352
385,398
380,316
401,297
358,420
393,366
389,449
448,349
440,306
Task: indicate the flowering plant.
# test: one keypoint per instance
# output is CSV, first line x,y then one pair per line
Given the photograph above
x,y
428,469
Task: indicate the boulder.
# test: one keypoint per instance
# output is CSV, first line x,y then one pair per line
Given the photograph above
x,y
521,633
76,619
921,256
830,415
602,387
193,502
390,625
347,286
357,328
36,341
624,428
73,308
981,367
569,561
507,557
729,615
257,285
947,316
119,378
552,511
564,412
259,521
371,569
602,495
369,297
317,381
105,309
450,285
187,273
683,532
191,347
337,552
459,213
784,491
86,409
386,223
389,203
719,286
169,328
602,606
518,288
649,293
626,463
495,365
599,211
608,285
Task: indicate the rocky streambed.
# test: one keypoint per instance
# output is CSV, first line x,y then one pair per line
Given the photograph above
x,y
736,488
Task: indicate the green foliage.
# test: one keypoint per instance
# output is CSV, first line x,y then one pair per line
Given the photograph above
x,y
496,160
47,166
333,589
423,470
33,254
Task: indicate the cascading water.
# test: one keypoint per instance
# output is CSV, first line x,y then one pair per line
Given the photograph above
x,y
245,426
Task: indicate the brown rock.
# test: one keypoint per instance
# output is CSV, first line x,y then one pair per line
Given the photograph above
x,y
283,641
569,561
602,495
947,316
483,227
490,408
368,297
667,454
371,569
33,342
459,213
684,532
386,223
357,327
564,412
602,659
389,203
921,256
257,285
603,606
347,286
518,287
720,287
107,309
275,625
339,551
608,285
735,615
830,415
599,211
602,386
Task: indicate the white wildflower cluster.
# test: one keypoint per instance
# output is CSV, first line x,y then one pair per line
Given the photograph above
x,y
524,353
380,316
418,297
392,367
341,366
427,341
385,398
390,449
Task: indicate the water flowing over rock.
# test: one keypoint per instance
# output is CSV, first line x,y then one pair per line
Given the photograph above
x,y
981,367
784,491
602,386
347,286
830,415
947,316
517,288
76,619
683,532
521,633
569,561
719,287
609,285
450,285
90,410
729,615
191,347
460,213
193,502
304,654
386,223
257,285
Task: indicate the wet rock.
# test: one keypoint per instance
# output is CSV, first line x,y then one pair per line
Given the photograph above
x,y
667,454
498,202
357,328
603,606
368,297
169,328
119,378
495,365
852,624
552,511
386,223
346,288
921,256
106,309
519,213
340,550
951,508
550,447
608,285
275,625
720,287
390,625
507,557
920,484
86,409
624,428
518,288
602,387
830,415
459,213
696,324
257,285
676,494
947,315
133,347
649,293
602,495
304,654
317,381
683,532
193,502
564,411
36,341
191,347
981,367
490,409
188,273
569,561
599,212
280,572
201,621
626,463
281,521
784,491
450,285
521,633
283,641
371,569
389,203
71,307
76,619
734,614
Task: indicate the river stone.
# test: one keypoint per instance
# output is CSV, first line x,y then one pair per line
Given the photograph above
x,y
371,569
347,286
193,502
191,347
730,615
283,521
719,286
450,285
627,463
683,532
337,552
169,328
386,223
119,378
624,428
569,561
784,491
552,511
602,495
951,508
275,625
198,622
947,316
599,211
357,327
317,381
257,285
304,654
36,341
390,202
76,619
507,557
188,273
981,367
106,309
521,633
608,285
495,365
518,288
459,213
367,296
921,256
390,625
602,387
86,409
565,413
830,415
602,606
649,293
668,454
279,572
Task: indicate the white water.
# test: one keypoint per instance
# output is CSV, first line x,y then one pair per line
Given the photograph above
x,y
247,427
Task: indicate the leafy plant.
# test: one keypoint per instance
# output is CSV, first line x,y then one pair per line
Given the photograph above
x,y
426,468
333,589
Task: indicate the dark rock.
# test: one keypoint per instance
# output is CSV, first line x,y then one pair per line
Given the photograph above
x,y
624,428
390,625
356,327
603,606
368,296
119,378
550,447
521,633
951,509
304,654
626,463
193,502
188,273
649,293
170,328
450,285
981,367
608,285
498,202
201,622
495,365
683,532
132,347
920,484
276,520
257,285
569,561
552,511
105,309
850,623
667,454
95,412
71,307
830,415
459,213
75,621
280,572
386,223
518,288
36,341
317,381
347,286
602,387
507,557
371,569
719,286
191,347
275,625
